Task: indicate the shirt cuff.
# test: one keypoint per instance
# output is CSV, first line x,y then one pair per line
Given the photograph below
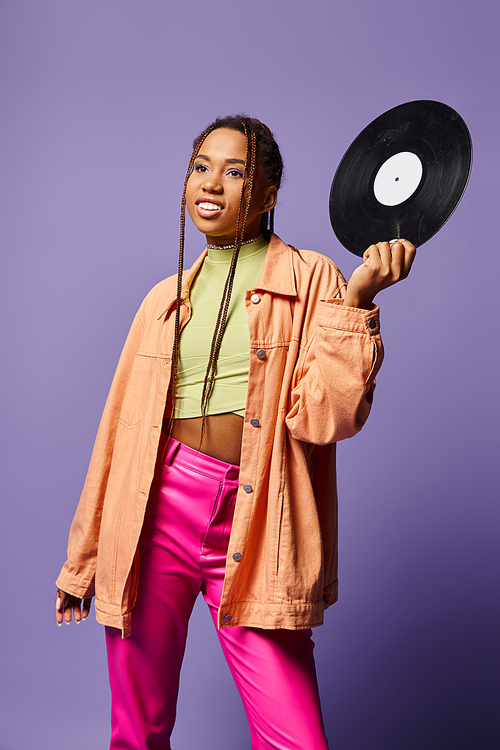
x,y
334,314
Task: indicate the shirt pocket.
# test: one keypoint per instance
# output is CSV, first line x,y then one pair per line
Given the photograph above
x,y
137,390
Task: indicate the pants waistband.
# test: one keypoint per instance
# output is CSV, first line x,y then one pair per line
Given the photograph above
x,y
173,451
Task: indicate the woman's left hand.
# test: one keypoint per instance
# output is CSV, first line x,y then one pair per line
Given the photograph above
x,y
383,265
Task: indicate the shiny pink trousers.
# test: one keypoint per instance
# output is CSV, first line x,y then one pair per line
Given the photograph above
x,y
183,550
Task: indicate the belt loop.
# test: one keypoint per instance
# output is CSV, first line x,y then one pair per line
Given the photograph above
x,y
171,451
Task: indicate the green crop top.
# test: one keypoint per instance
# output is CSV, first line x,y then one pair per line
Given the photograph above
x,y
230,386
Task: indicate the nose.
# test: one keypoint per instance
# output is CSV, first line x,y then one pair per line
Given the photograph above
x,y
211,183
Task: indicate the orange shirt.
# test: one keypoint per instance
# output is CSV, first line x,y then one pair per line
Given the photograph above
x,y
311,379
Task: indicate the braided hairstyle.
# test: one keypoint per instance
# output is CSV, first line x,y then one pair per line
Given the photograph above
x,y
260,148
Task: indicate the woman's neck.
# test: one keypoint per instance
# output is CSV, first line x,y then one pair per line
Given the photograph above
x,y
223,254
230,246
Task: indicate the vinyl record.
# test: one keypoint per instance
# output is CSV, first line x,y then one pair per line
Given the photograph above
x,y
403,176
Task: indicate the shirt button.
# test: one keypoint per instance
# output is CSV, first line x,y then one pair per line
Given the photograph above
x,y
255,298
372,323
261,353
237,556
248,488
227,618
254,422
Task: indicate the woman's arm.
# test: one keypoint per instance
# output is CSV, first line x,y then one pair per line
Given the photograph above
x,y
77,575
332,392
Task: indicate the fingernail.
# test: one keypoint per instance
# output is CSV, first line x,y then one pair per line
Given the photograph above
x,y
77,621
59,624
67,622
58,603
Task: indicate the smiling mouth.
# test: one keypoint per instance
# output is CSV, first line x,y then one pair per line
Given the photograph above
x,y
209,206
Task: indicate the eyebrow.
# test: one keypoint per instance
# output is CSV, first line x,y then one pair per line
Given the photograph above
x,y
227,161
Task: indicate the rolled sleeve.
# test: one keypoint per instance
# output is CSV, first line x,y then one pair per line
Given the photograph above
x,y
331,396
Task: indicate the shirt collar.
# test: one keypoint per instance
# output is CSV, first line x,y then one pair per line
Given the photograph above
x,y
277,273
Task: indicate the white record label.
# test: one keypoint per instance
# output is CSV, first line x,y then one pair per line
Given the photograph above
x,y
398,178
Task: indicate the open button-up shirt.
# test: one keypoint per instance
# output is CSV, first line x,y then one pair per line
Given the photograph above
x,y
312,367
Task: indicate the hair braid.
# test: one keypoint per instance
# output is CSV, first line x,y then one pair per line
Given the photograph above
x,y
220,326
262,145
175,348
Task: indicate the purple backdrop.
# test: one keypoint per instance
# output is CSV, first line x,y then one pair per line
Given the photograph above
x,y
100,102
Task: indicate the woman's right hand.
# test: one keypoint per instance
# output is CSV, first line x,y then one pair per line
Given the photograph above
x,y
66,604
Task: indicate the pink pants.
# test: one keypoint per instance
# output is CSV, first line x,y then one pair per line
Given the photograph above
x,y
183,550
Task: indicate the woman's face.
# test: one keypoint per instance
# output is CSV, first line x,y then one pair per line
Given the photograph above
x,y
214,188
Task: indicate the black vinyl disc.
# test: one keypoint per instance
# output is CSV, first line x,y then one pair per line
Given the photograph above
x,y
403,176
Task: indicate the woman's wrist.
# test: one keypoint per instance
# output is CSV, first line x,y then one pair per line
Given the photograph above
x,y
356,300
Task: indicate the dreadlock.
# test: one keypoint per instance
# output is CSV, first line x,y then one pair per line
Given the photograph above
x,y
260,144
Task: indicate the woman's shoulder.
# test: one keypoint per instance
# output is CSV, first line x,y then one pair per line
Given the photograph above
x,y
309,258
315,259
311,264
162,289
160,298
165,292
157,301
160,294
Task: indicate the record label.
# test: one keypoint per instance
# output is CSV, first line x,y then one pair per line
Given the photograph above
x,y
398,178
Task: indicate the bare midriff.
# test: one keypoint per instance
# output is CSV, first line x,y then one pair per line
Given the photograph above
x,y
222,437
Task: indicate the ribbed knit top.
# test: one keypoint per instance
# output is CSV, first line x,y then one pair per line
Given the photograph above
x,y
230,386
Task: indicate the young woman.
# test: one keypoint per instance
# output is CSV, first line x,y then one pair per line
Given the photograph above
x,y
214,464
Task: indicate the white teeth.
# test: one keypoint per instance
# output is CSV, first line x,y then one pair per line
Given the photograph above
x,y
209,206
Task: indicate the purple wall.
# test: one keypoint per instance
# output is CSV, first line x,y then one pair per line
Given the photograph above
x,y
100,102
